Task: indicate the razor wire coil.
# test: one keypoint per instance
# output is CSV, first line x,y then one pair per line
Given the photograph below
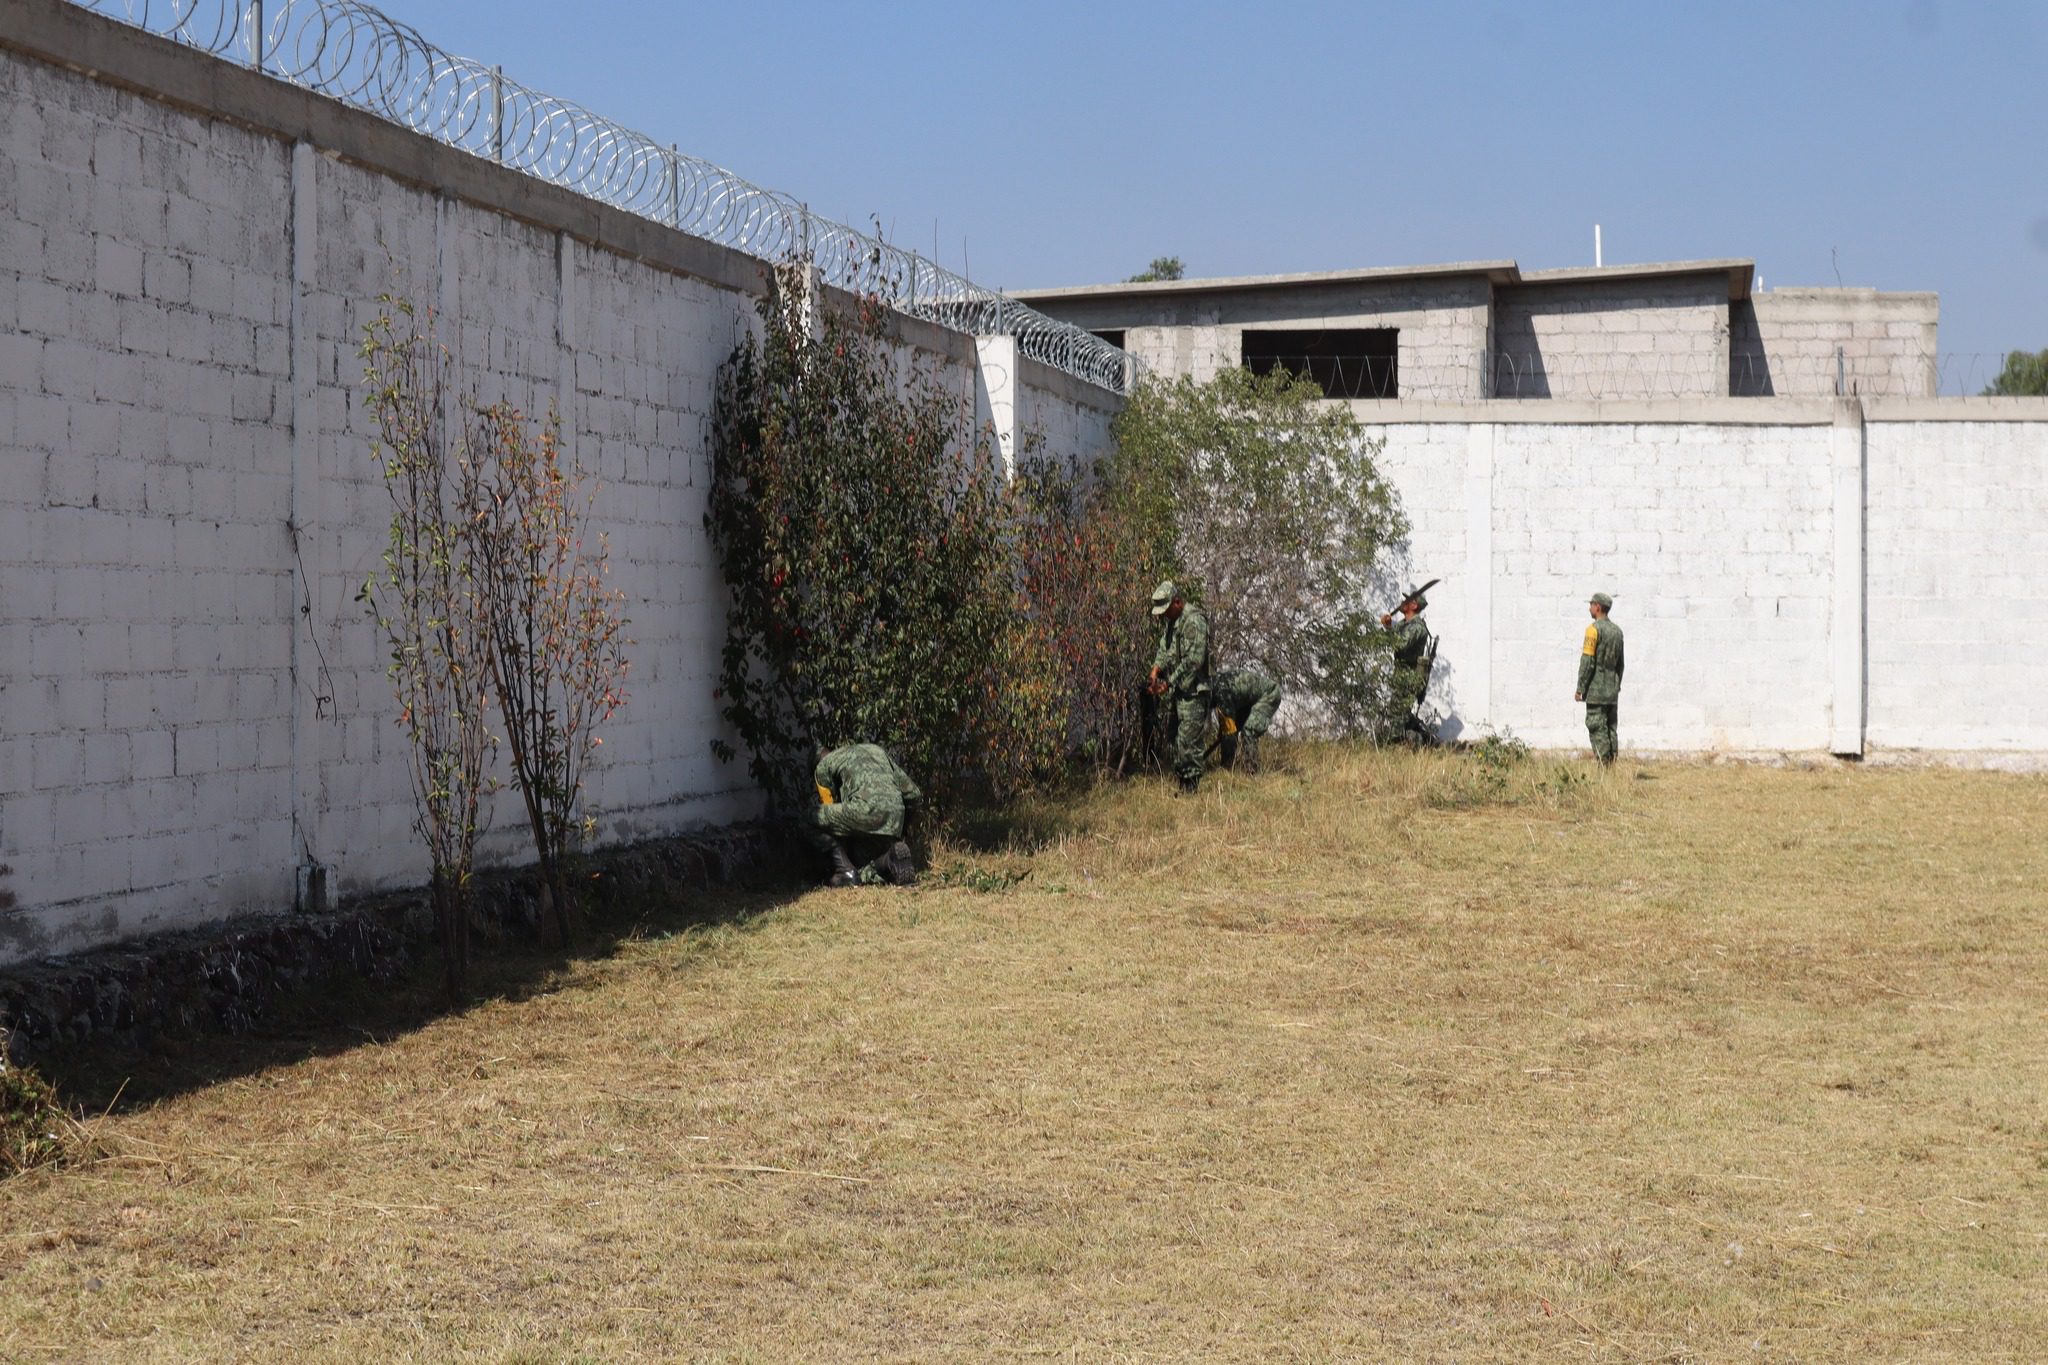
x,y
356,53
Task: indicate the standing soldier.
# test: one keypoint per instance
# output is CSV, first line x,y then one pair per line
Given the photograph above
x,y
1180,678
863,798
1245,702
1600,679
1412,660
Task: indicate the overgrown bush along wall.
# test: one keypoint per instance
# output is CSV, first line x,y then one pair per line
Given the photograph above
x,y
889,585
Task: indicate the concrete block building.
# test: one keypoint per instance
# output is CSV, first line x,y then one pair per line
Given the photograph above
x,y
1489,329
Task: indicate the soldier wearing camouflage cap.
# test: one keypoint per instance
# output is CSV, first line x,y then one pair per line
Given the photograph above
x,y
1412,660
1180,679
1600,665
864,798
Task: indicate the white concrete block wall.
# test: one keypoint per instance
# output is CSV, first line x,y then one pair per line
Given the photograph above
x,y
1427,464
158,766
1069,420
642,422
1958,590
373,237
144,688
1716,543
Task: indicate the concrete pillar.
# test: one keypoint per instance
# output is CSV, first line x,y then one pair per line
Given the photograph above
x,y
312,690
447,328
995,393
1847,647
1475,655
565,338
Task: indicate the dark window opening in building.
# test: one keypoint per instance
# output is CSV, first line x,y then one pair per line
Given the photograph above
x,y
1352,362
1115,339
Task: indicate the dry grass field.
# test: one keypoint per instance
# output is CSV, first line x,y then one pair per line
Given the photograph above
x,y
1377,1057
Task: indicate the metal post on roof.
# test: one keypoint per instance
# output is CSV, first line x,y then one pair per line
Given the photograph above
x,y
675,186
498,114
256,35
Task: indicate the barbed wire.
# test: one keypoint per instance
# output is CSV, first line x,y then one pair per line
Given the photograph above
x,y
363,57
1529,374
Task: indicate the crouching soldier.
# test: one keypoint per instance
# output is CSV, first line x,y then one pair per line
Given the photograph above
x,y
863,800
1245,702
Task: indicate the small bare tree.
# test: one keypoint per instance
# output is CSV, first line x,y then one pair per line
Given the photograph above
x,y
426,601
557,631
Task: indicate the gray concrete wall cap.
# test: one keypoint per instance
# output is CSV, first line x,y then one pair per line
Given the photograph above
x,y
1500,272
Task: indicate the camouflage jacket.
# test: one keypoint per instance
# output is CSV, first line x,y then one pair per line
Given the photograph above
x,y
865,775
1183,655
1600,664
1411,642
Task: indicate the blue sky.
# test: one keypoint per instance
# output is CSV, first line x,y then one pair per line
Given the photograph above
x,y
1895,143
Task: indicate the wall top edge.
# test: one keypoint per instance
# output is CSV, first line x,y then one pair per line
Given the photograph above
x,y
1594,412
1955,409
1696,411
1057,382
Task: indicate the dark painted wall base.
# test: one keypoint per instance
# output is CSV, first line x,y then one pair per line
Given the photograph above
x,y
225,977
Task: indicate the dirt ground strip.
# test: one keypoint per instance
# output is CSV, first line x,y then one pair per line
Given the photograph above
x,y
1373,1057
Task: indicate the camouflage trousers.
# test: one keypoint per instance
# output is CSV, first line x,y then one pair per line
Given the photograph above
x,y
1190,734
868,829
1603,727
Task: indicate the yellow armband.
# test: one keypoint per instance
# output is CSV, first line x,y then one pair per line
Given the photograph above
x,y
1592,639
1229,725
824,796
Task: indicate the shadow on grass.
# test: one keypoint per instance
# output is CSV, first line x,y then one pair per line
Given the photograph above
x,y
347,1009
1030,823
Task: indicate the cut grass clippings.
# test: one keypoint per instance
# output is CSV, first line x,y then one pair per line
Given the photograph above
x,y
35,1127
1348,1061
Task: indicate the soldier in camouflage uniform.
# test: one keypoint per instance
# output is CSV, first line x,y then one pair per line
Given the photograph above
x,y
1180,679
1600,662
1411,656
1245,702
863,800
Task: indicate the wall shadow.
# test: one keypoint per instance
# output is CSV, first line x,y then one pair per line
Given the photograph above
x,y
1749,365
376,998
1517,368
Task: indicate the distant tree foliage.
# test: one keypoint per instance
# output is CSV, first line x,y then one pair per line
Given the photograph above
x,y
2025,376
1162,268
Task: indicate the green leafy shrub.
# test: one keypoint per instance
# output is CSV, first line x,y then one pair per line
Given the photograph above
x,y
861,523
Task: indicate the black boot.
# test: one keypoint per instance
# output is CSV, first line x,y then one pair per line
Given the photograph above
x,y
898,868
842,867
1189,785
